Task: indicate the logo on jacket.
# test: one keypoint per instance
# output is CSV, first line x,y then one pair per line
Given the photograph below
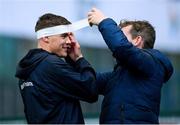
x,y
26,84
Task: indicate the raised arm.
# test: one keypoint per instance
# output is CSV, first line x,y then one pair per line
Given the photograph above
x,y
124,51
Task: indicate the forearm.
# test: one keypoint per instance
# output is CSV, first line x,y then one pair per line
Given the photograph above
x,y
113,35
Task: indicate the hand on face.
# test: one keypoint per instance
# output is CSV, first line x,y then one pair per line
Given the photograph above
x,y
95,16
74,51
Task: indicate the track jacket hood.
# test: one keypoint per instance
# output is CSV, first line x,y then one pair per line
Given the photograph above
x,y
164,62
29,63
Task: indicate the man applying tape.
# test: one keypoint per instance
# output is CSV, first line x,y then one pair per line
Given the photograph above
x,y
55,76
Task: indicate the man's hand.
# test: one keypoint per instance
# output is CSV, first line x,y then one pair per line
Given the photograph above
x,y
95,16
74,52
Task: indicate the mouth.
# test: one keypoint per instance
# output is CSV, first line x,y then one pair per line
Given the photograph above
x,y
65,48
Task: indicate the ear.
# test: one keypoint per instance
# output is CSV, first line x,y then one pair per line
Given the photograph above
x,y
45,39
138,42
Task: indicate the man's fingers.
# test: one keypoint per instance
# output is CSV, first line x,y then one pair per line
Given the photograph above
x,y
93,9
90,19
89,13
72,38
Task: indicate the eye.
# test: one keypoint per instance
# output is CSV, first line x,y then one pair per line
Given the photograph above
x,y
64,35
70,34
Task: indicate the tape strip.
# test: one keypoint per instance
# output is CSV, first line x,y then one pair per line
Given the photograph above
x,y
62,28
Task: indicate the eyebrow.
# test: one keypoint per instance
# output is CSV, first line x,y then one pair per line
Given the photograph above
x,y
64,35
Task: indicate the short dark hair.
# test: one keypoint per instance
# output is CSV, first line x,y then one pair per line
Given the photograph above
x,y
143,29
50,20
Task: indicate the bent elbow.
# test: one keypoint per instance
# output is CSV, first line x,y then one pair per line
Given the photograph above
x,y
91,90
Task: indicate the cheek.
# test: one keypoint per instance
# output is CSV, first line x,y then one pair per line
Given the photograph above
x,y
53,45
60,42
57,43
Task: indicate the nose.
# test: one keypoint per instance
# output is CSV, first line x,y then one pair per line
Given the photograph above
x,y
68,41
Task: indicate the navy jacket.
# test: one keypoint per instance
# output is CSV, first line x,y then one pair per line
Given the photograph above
x,y
132,92
51,88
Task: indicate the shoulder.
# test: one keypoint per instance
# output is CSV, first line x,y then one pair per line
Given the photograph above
x,y
156,54
53,61
52,58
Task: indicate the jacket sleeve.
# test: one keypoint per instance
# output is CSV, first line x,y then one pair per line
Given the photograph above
x,y
133,58
101,81
75,82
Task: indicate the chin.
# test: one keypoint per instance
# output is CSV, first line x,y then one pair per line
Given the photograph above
x,y
64,55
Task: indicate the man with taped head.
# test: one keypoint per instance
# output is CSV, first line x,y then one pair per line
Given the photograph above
x,y
54,76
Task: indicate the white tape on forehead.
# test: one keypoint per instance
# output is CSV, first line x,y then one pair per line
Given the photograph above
x,y
62,28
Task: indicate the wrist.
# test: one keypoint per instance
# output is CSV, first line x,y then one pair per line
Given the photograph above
x,y
80,56
103,18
